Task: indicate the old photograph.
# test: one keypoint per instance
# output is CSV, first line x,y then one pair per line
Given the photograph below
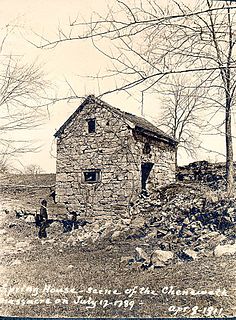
x,y
117,171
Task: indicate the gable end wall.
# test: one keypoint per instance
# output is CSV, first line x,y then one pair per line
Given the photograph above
x,y
108,149
117,151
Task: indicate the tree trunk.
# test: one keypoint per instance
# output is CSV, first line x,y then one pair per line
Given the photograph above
x,y
229,150
176,159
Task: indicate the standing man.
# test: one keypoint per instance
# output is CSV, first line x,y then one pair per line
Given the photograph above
x,y
43,217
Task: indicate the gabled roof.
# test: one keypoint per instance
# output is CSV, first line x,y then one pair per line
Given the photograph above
x,y
141,125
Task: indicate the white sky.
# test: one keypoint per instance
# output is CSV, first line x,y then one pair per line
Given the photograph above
x,y
67,61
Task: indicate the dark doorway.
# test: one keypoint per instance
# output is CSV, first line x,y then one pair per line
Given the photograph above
x,y
145,172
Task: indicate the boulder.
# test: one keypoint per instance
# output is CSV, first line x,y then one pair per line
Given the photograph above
x,y
95,237
30,218
212,234
135,233
161,232
108,224
230,210
96,227
83,236
116,235
227,249
161,256
107,233
220,238
152,234
138,222
55,229
71,240
142,255
186,221
190,254
156,263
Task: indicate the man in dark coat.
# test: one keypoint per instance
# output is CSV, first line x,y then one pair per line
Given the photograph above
x,y
43,219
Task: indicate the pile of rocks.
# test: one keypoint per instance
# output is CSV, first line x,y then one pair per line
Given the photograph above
x,y
181,221
182,215
100,231
186,220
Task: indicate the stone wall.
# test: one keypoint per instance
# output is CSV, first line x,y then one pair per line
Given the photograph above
x,y
163,157
212,174
114,150
43,179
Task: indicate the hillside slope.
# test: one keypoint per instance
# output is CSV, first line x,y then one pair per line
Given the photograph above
x,y
119,255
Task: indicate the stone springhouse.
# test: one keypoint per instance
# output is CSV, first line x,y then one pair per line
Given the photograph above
x,y
106,158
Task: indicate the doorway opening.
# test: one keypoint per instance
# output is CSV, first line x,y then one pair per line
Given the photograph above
x,y
145,172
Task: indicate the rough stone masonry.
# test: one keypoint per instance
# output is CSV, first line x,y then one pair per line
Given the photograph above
x,y
106,158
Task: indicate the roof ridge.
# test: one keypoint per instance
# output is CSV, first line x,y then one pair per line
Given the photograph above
x,y
139,121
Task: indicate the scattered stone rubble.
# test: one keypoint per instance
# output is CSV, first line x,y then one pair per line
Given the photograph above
x,y
180,222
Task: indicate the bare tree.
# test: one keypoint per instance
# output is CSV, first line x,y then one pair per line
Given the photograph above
x,y
22,94
23,98
181,110
5,166
33,169
151,41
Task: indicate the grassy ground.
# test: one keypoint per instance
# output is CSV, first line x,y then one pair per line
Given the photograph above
x,y
58,264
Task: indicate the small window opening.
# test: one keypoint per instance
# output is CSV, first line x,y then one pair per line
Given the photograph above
x,y
146,148
92,176
91,125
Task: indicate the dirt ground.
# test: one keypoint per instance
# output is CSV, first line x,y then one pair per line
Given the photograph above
x,y
54,278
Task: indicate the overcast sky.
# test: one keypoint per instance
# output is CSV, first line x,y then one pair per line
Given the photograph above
x,y
67,62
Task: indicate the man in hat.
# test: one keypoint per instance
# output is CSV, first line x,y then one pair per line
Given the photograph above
x,y
43,219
